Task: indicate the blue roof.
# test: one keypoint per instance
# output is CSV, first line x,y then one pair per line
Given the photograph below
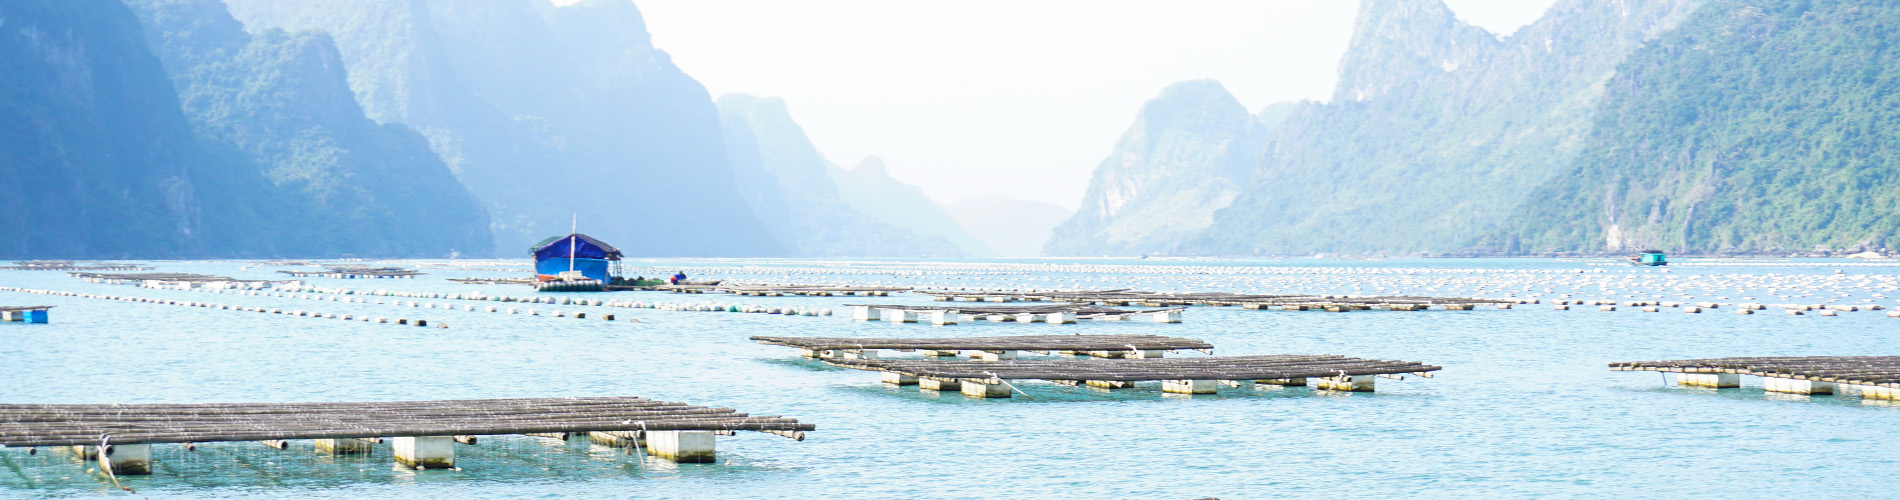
x,y
585,247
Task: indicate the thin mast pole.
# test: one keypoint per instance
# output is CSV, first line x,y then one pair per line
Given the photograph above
x,y
573,233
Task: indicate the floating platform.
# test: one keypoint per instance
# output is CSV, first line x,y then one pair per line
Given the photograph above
x,y
989,379
357,272
1335,303
26,314
424,433
1875,377
1052,314
1006,346
67,265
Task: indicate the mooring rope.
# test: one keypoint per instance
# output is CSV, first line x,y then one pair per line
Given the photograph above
x,y
105,463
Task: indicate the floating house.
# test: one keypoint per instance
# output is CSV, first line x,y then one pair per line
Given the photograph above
x,y
1650,258
580,253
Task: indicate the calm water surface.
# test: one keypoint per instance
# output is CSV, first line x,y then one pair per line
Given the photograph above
x,y
1524,407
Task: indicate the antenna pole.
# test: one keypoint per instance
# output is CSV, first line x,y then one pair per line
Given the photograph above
x,y
573,233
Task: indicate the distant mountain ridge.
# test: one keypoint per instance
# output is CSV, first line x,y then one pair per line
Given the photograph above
x,y
792,187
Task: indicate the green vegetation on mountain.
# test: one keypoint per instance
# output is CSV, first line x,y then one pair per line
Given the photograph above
x,y
349,185
543,112
1437,130
1757,126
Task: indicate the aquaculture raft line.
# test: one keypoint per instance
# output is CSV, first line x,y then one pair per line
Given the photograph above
x,y
425,431
1876,377
1180,375
995,344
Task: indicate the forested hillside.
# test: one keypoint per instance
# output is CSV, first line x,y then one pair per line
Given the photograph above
x,y
1758,125
349,185
1437,130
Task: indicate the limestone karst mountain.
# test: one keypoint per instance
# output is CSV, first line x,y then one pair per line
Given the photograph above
x,y
1190,152
1437,130
542,112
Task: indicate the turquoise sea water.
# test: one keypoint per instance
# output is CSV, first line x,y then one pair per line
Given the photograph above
x,y
1523,408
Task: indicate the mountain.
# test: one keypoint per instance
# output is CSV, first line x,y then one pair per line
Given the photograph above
x,y
871,190
785,181
1757,126
542,112
1189,153
283,101
99,159
1437,130
1009,226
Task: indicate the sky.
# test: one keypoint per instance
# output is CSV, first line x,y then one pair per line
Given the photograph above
x,y
1022,98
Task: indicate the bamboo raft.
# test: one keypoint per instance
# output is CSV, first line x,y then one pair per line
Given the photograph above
x,y
1125,297
125,425
755,290
1180,375
356,272
1032,343
143,277
1875,377
67,265
494,281
1052,314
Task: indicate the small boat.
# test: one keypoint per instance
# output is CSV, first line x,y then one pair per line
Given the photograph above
x,y
1649,258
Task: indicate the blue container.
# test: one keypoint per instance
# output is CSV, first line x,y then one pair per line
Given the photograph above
x,y
36,316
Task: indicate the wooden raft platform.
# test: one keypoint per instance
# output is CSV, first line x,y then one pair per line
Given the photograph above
x,y
1876,377
428,429
356,272
756,290
989,379
1032,343
1336,303
142,277
67,265
1053,314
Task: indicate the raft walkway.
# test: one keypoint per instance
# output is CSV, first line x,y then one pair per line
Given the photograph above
x,y
357,272
990,379
1124,297
1056,314
424,432
1875,377
67,265
756,290
1003,347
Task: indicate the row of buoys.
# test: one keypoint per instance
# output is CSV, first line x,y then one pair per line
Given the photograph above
x,y
399,303
228,307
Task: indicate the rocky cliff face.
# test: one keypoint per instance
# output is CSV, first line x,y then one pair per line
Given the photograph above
x,y
1438,130
790,186
1189,153
1754,127
282,100
543,112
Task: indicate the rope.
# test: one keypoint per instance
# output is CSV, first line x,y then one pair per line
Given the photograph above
x,y
105,463
1009,385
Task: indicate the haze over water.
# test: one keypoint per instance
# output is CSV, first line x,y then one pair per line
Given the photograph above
x,y
1525,406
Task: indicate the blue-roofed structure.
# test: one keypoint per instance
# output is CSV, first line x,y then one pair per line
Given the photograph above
x,y
592,257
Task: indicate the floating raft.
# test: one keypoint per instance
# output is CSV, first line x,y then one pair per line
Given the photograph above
x,y
28,314
356,272
425,432
1052,314
1181,375
1336,303
494,281
67,265
1876,377
143,277
1108,345
811,290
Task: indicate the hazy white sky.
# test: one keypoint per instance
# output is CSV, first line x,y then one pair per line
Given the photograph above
x,y
1016,97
